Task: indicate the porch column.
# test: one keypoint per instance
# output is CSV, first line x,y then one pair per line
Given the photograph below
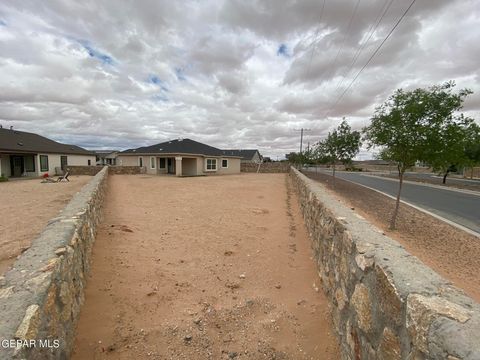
x,y
178,165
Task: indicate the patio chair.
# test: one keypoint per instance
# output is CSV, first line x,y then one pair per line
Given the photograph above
x,y
64,177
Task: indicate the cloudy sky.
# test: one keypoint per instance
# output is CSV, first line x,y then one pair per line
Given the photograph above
x,y
232,74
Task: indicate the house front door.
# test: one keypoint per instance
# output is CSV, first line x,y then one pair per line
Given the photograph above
x,y
17,166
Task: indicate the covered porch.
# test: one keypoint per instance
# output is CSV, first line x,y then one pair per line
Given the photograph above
x,y
176,165
19,165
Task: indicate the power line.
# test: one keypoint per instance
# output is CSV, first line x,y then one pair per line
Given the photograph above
x,y
346,35
370,33
302,130
315,39
315,35
372,56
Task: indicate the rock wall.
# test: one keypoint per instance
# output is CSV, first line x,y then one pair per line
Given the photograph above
x,y
41,296
270,167
126,170
93,170
84,170
386,303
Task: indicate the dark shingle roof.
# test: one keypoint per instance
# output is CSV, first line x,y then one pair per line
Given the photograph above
x,y
178,146
21,141
244,154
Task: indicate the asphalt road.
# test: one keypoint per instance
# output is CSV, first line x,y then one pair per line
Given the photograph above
x,y
450,179
459,207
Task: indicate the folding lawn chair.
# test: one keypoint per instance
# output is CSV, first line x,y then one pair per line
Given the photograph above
x,y
64,177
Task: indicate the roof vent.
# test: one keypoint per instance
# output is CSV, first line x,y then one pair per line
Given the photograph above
x,y
20,143
160,149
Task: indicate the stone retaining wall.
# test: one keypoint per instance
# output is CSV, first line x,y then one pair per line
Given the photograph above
x,y
93,170
84,170
386,304
269,167
41,296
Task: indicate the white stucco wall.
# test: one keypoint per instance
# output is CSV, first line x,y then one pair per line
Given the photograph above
x,y
54,162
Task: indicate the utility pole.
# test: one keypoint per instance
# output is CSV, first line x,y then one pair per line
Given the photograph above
x,y
302,130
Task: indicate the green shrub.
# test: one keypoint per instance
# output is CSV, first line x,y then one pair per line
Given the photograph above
x,y
3,178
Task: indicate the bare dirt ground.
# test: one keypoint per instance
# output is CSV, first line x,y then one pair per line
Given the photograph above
x,y
203,268
450,252
26,208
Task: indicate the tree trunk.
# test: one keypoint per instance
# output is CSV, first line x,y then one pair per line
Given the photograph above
x,y
333,174
397,204
445,177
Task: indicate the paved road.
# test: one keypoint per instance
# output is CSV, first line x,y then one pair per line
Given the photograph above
x,y
460,207
450,179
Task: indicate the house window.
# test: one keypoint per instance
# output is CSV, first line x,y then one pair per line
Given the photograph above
x,y
29,163
152,162
89,162
224,163
140,161
43,162
211,164
63,162
162,163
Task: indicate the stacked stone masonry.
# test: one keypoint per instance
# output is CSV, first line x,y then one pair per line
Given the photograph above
x,y
93,170
386,304
41,296
269,167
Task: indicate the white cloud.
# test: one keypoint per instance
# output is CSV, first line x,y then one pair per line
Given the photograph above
x,y
111,74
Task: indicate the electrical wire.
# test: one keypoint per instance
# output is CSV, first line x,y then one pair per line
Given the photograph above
x,y
372,56
370,33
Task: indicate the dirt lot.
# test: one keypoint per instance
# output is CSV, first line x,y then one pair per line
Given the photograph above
x,y
451,252
27,205
203,268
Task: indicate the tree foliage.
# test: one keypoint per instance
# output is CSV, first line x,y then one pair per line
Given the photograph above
x,y
472,148
341,145
420,125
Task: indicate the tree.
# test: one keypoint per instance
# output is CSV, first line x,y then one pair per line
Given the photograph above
x,y
342,144
472,150
454,137
413,125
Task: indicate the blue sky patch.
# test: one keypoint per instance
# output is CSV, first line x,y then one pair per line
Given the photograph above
x,y
2,23
180,74
154,79
104,58
160,97
283,51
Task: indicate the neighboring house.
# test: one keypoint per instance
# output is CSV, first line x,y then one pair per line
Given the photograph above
x,y
247,156
105,157
182,157
27,154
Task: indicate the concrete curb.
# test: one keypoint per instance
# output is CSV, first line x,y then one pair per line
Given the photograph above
x,y
452,223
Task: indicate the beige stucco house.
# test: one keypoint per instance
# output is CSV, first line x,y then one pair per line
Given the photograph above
x,y
28,154
181,157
